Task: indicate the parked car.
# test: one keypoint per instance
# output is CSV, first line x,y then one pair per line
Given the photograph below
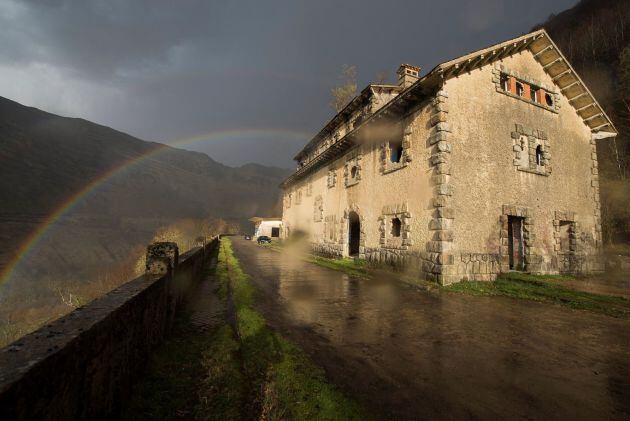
x,y
263,239
248,237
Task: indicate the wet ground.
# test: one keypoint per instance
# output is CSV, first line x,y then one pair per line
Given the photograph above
x,y
436,355
205,308
617,283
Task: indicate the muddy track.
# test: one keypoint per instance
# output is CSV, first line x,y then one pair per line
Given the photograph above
x,y
424,355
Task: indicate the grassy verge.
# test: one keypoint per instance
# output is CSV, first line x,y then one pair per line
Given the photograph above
x,y
194,374
536,288
238,370
352,267
283,382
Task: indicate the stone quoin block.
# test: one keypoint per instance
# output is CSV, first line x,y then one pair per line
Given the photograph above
x,y
161,257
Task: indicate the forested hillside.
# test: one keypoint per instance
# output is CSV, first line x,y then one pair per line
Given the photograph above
x,y
116,192
594,37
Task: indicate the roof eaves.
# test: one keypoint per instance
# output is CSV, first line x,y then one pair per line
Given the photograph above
x,y
334,121
345,142
455,67
590,110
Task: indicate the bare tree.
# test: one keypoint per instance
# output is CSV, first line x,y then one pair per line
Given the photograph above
x,y
343,93
69,299
381,77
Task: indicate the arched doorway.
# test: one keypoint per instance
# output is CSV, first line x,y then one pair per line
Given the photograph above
x,y
354,231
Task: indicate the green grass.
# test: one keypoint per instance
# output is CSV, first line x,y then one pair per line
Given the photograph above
x,y
284,382
353,267
193,374
537,288
232,372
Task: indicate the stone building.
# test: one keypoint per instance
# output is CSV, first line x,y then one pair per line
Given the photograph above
x,y
485,164
270,227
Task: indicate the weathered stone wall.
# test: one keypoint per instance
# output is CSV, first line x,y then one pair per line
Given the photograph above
x,y
381,193
83,365
473,155
495,174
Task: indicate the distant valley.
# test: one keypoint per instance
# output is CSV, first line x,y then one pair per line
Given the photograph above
x,y
138,188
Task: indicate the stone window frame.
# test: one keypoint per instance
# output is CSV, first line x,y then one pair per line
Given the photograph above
x,y
559,217
330,228
532,261
353,160
533,138
386,240
289,196
500,70
387,166
298,197
318,209
331,181
309,188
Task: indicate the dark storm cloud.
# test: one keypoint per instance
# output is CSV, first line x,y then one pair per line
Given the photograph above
x,y
165,70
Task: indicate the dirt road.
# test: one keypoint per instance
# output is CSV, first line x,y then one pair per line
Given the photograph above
x,y
435,355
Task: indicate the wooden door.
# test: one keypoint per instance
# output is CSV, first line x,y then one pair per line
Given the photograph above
x,y
516,246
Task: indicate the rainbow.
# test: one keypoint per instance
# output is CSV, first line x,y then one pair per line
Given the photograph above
x,y
38,234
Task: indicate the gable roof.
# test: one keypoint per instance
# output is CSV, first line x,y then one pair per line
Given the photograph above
x,y
538,42
547,53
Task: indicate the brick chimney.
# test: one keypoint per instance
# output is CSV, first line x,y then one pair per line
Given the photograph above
x,y
407,75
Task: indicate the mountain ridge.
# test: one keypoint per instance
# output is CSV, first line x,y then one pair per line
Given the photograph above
x,y
47,160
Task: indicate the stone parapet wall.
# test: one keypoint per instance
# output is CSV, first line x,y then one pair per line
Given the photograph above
x,y
327,249
478,266
407,259
83,365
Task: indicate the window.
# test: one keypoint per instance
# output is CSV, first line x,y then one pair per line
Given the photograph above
x,y
332,178
395,151
526,89
565,236
531,150
396,227
352,169
318,209
548,99
505,84
539,155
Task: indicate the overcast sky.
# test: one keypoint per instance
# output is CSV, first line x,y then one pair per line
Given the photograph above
x,y
250,80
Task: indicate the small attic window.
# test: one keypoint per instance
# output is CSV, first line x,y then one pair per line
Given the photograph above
x,y
548,99
505,82
519,89
354,171
534,94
